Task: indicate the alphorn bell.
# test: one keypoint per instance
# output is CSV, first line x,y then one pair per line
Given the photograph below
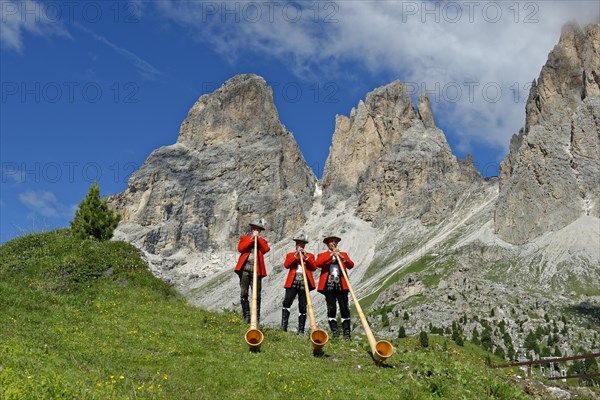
x,y
318,337
381,350
254,336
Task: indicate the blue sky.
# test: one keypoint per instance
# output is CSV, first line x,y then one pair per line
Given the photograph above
x,y
90,88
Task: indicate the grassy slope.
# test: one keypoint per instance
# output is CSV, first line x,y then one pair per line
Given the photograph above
x,y
88,320
417,266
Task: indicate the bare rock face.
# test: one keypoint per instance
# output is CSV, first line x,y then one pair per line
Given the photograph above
x,y
551,176
233,162
394,161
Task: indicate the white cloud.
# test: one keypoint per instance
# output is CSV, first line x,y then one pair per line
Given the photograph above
x,y
145,68
17,17
489,46
46,204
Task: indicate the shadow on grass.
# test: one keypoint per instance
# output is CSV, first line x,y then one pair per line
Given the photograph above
x,y
320,354
383,365
380,364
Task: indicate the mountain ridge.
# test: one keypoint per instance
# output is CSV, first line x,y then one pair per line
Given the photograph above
x,y
395,193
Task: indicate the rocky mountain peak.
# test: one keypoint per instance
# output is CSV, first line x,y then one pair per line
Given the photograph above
x,y
569,75
358,141
242,108
391,159
233,162
425,113
415,213
550,177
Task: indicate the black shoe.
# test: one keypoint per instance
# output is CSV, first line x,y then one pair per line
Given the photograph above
x,y
246,311
346,328
334,328
285,318
301,323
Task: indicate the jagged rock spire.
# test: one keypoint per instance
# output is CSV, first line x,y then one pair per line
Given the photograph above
x,y
393,160
425,113
550,177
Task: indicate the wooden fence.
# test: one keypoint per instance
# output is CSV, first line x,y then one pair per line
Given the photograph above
x,y
548,361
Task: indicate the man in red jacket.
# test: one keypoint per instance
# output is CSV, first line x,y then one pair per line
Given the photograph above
x,y
294,284
245,266
333,285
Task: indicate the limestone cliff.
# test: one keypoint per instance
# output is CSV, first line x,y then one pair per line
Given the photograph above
x,y
233,162
394,160
551,176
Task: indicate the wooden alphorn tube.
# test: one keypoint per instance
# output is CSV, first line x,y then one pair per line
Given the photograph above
x,y
254,336
381,350
318,337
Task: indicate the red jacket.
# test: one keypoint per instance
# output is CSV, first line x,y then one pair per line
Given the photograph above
x,y
324,262
291,263
245,246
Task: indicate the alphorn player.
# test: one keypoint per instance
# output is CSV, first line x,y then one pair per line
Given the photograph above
x,y
245,266
294,284
333,285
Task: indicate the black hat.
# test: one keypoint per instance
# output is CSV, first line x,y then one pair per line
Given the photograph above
x,y
326,239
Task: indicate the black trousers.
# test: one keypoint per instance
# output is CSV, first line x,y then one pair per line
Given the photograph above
x,y
290,295
334,297
246,282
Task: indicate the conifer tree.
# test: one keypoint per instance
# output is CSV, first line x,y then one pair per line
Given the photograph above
x,y
531,342
486,339
459,340
401,332
93,218
557,352
475,337
385,320
499,351
457,334
546,352
423,339
510,352
590,366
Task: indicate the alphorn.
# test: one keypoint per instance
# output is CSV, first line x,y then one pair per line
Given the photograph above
x,y
381,350
318,337
254,336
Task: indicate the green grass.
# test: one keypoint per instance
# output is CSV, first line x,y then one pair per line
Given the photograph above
x,y
399,252
585,286
87,320
417,266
